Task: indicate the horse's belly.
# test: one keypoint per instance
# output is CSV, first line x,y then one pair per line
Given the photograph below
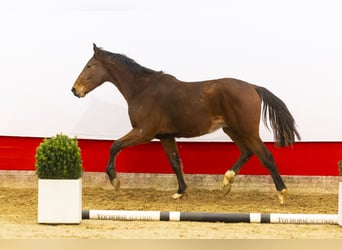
x,y
200,127
217,123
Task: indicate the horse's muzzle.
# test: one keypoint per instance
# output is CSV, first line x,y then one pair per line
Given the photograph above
x,y
74,91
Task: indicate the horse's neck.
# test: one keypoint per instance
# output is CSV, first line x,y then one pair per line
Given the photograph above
x,y
130,84
128,81
121,78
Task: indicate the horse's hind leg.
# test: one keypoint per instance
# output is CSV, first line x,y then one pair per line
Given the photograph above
x,y
245,155
170,147
229,176
266,158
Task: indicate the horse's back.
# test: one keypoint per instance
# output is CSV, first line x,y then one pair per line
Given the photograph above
x,y
222,97
229,93
189,109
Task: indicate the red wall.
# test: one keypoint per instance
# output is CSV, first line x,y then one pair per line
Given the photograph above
x,y
304,158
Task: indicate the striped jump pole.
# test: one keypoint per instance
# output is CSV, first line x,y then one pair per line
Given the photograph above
x,y
123,215
276,218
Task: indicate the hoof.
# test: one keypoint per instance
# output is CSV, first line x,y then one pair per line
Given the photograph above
x,y
282,196
116,184
178,196
228,179
225,189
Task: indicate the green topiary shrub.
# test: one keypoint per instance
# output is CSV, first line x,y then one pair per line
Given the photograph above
x,y
59,157
339,163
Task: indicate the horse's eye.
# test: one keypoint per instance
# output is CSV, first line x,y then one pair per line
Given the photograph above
x,y
88,66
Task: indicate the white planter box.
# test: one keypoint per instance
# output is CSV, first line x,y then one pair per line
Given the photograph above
x,y
59,201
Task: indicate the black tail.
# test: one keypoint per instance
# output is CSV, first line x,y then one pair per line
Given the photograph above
x,y
281,120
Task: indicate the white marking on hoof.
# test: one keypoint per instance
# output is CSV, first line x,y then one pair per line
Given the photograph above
x,y
229,176
116,184
228,179
177,196
282,196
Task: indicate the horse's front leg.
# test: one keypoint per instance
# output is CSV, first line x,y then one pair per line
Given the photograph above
x,y
170,147
132,138
110,170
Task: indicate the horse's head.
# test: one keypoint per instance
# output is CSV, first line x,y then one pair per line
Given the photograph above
x,y
92,75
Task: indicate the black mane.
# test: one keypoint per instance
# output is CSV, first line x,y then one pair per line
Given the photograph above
x,y
130,63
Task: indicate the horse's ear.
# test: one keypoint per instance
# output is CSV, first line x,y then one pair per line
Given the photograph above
x,y
96,51
95,48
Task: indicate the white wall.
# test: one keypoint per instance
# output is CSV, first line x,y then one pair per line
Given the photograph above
x,y
293,47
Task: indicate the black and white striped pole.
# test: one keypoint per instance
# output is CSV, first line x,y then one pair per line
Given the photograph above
x,y
123,215
128,215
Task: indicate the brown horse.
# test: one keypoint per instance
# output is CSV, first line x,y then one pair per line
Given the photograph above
x,y
163,107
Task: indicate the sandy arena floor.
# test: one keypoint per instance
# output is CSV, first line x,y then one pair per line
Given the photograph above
x,y
18,215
